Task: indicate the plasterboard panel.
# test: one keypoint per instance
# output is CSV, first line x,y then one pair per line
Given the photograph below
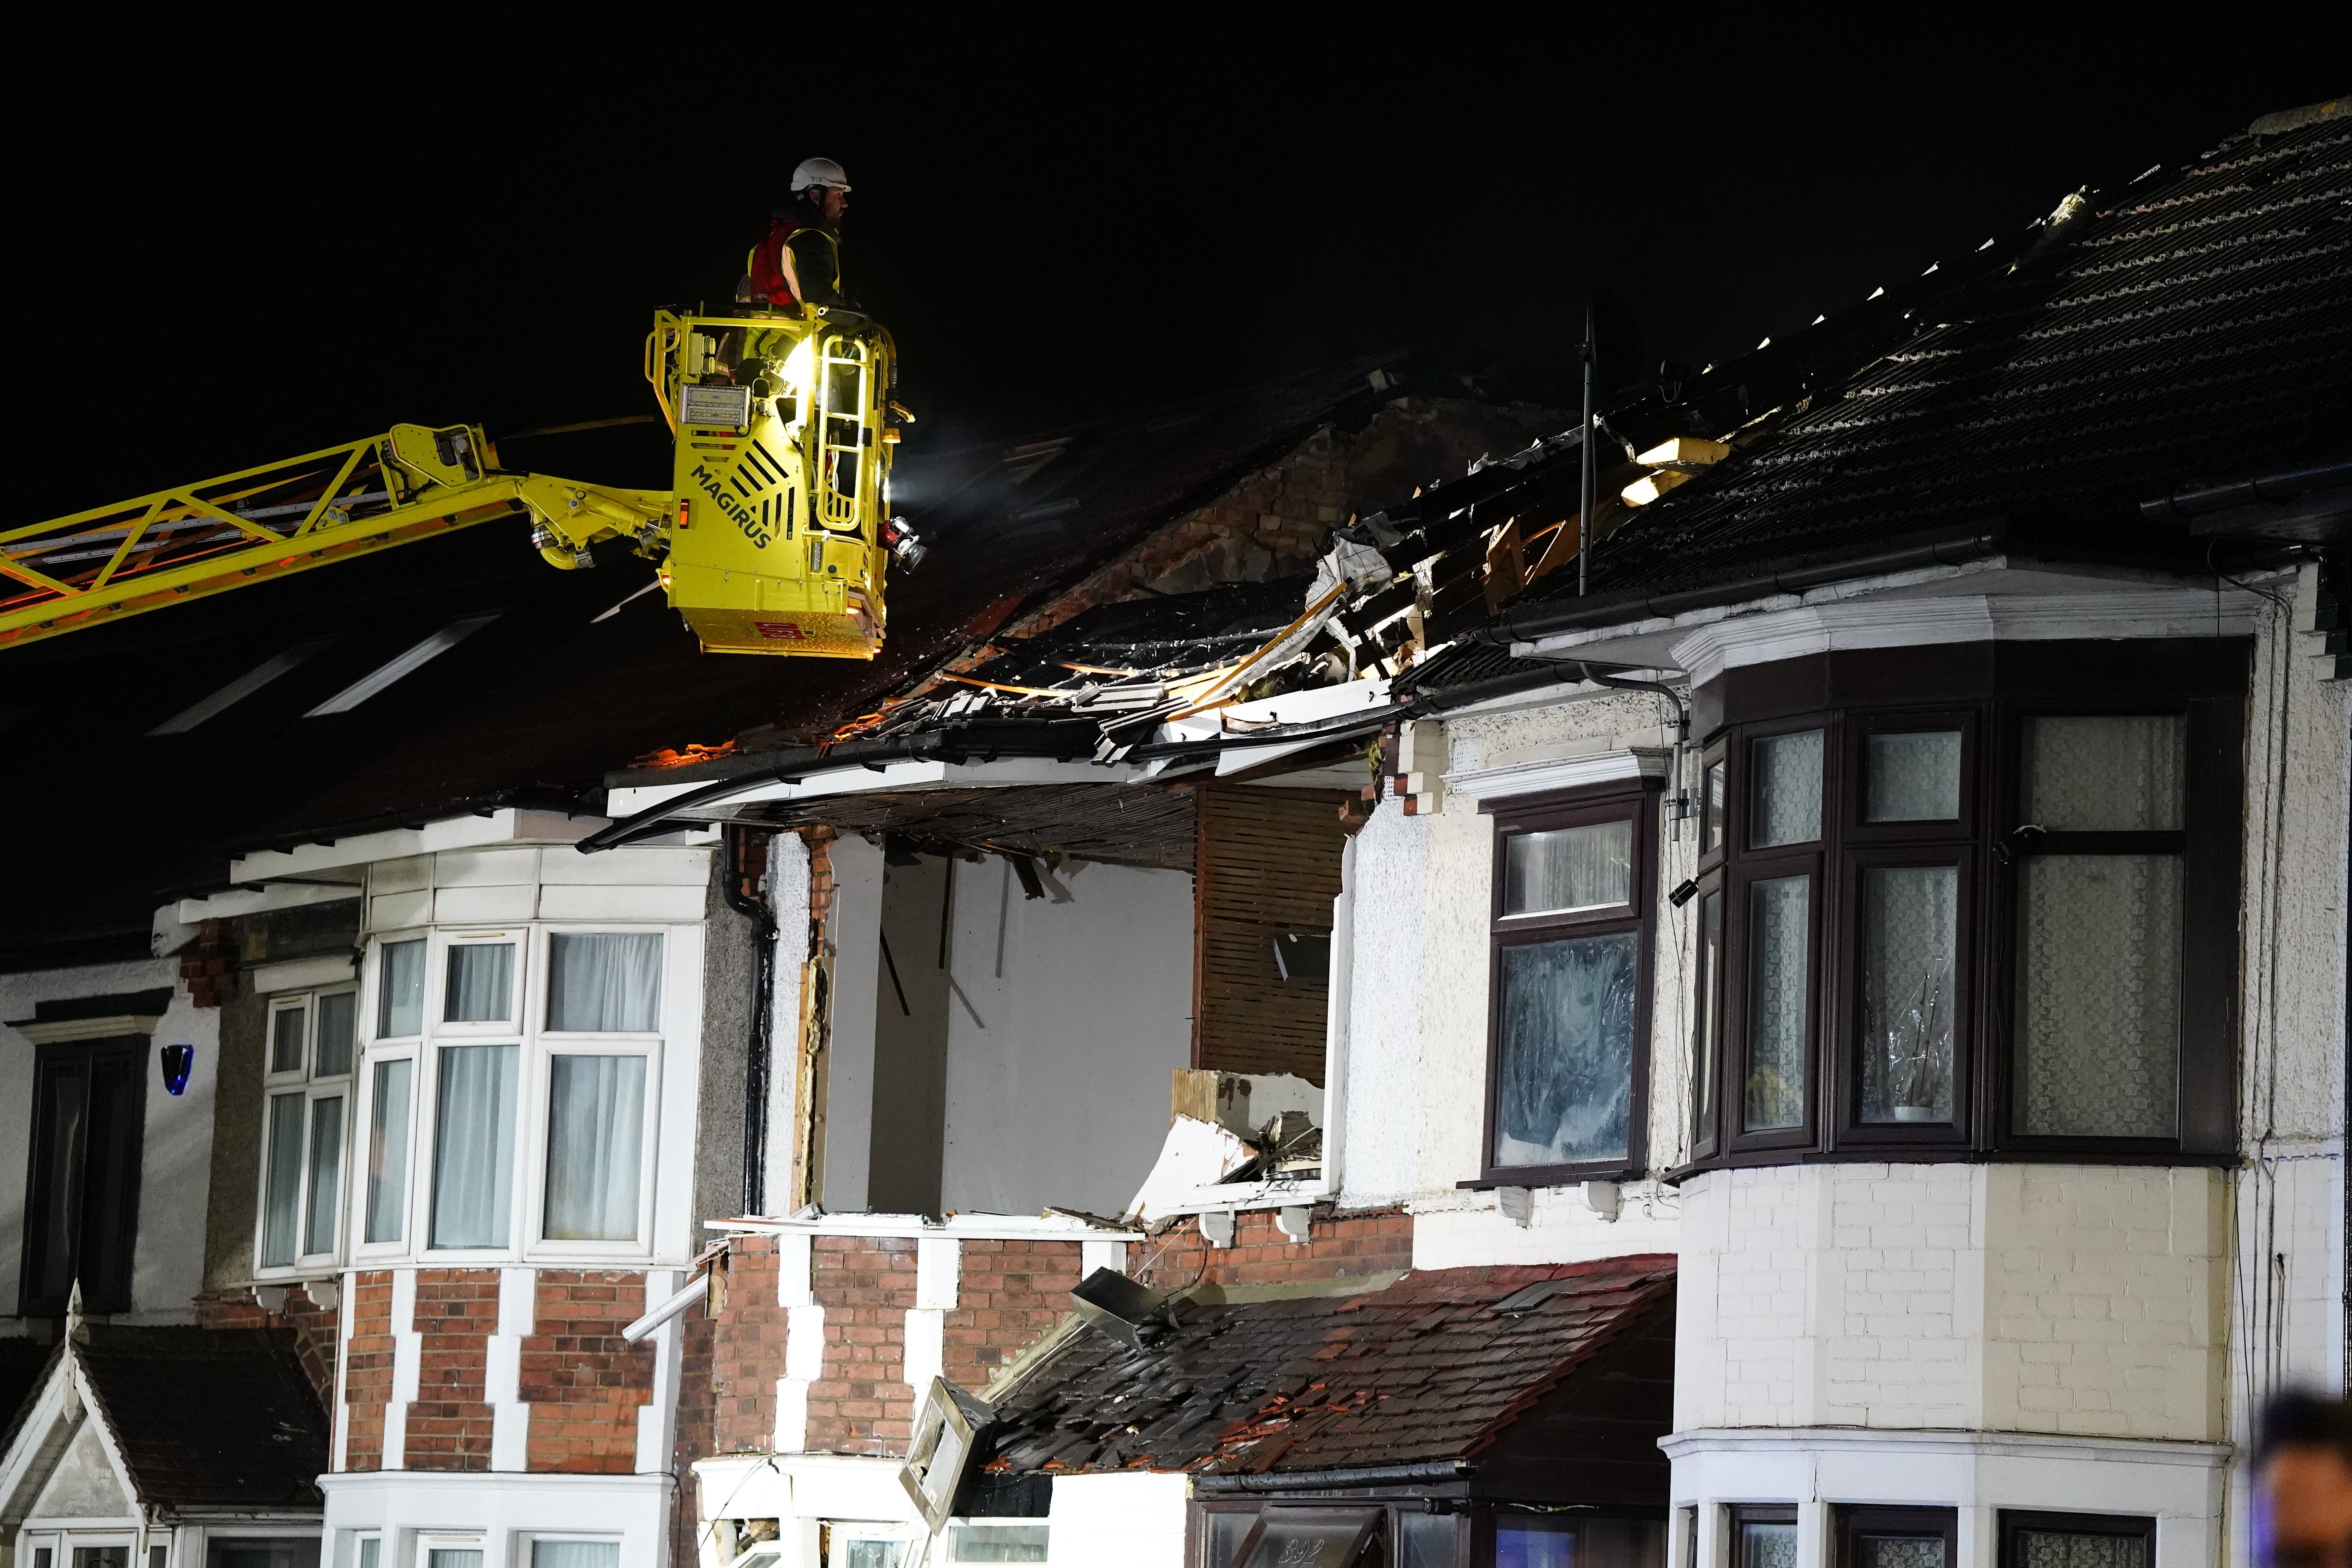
x,y
485,868
577,902
407,876
390,911
635,867
451,905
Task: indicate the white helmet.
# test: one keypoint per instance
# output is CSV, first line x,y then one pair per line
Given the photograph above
x,y
819,172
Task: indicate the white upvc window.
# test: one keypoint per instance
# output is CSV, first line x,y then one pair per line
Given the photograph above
x,y
309,1050
570,1552
511,1089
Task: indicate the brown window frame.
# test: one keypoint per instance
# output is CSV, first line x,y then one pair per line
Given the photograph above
x,y
1637,800
1987,692
1853,1519
2013,1520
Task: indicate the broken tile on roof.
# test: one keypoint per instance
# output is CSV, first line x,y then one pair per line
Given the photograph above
x,y
1425,1369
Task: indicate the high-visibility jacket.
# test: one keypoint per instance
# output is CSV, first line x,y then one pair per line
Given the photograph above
x,y
816,259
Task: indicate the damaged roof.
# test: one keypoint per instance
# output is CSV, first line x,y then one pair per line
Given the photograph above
x,y
209,1418
2194,324
1439,1365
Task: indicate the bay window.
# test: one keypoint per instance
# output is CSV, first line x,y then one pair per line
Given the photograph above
x,y
1567,1068
516,1111
1969,901
310,1040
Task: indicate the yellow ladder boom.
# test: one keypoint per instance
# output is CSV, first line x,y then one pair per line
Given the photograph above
x,y
190,540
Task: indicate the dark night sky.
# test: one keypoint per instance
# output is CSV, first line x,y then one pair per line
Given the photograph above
x,y
247,255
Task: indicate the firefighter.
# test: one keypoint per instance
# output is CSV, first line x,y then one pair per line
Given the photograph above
x,y
799,260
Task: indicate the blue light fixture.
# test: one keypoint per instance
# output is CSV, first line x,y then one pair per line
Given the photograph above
x,y
178,1061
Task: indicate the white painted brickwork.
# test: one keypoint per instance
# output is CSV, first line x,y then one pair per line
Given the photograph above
x,y
2055,1298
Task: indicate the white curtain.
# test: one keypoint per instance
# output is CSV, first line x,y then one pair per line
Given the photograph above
x,y
1787,791
595,1125
325,1201
473,1145
2122,773
1570,868
387,1177
481,983
281,1203
605,982
400,991
2098,994
576,1555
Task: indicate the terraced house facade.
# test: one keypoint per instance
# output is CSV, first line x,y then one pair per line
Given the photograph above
x,y
1347,1012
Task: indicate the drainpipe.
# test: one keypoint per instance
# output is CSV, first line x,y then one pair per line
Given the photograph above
x,y
753,906
1678,804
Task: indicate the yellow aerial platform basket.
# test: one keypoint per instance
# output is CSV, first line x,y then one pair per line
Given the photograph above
x,y
784,438
774,539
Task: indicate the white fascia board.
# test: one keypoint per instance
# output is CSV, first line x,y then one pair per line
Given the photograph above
x,y
1316,702
890,776
957,1227
508,824
1235,759
1554,773
1235,1195
255,901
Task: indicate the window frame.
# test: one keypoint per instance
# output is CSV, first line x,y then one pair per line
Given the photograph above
x,y
313,1087
2012,1521
1635,799
1740,1513
1850,1520
1988,691
536,1048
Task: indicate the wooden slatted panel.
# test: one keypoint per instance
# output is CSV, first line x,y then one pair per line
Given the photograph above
x,y
1265,861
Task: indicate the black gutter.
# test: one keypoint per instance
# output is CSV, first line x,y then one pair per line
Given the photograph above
x,y
1352,1476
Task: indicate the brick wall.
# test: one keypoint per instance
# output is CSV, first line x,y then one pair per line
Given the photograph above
x,y
583,1383
449,1421
315,1327
861,1404
888,1311
1009,1295
367,1369
1337,1246
2057,1298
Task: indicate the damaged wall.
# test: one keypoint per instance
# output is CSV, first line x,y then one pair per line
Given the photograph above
x,y
1071,1017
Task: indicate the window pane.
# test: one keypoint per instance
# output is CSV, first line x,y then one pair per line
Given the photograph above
x,y
2098,994
371,1551
2078,1549
1779,940
996,1544
1711,834
453,1557
872,1554
2117,774
387,1178
1226,1532
262,1551
596,1121
1315,1540
1570,868
482,984
1913,777
101,1557
1565,1071
576,1555
473,1145
1787,801
1425,1540
1538,1542
1762,1544
606,982
285,1040
1900,1551
326,1175
400,991
1910,932
338,1024
1706,993
281,1201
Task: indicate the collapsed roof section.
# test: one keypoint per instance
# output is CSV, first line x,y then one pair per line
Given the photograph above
x,y
1511,1370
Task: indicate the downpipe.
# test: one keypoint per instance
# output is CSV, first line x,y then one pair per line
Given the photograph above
x,y
755,908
